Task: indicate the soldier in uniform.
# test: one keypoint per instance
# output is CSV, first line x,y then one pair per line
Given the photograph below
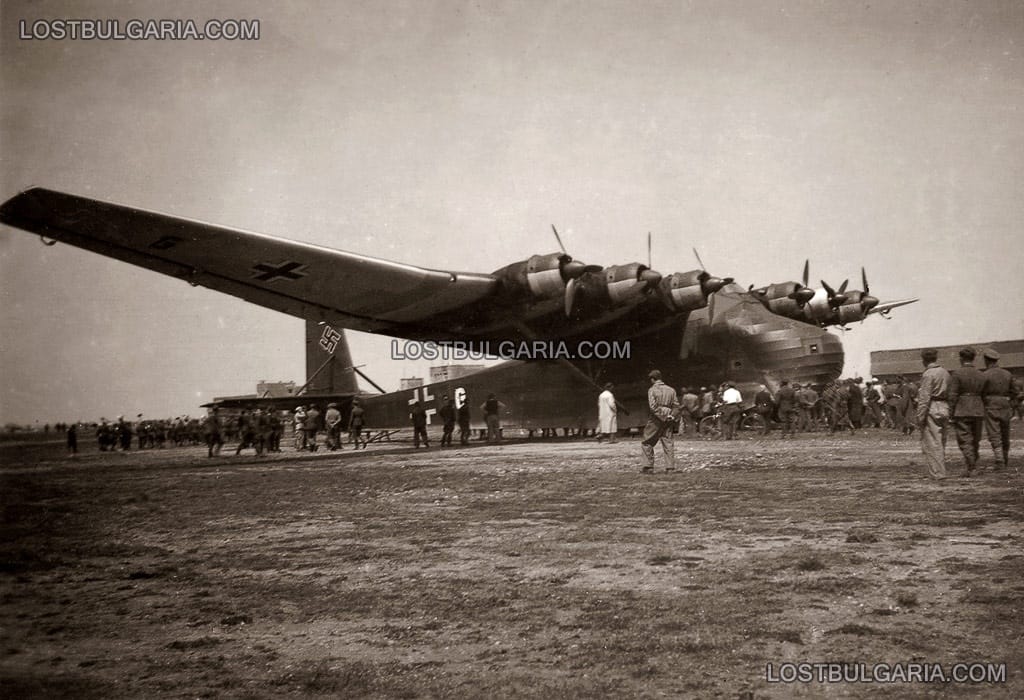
x,y
968,411
997,395
312,427
764,404
856,402
664,406
933,413
786,406
246,431
332,420
447,414
211,431
492,410
419,425
355,423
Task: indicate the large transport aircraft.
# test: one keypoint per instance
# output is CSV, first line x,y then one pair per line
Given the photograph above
x,y
562,316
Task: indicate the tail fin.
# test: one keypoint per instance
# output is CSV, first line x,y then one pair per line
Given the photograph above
x,y
328,361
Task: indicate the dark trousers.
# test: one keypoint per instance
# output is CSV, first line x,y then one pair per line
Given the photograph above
x,y
420,431
997,426
968,437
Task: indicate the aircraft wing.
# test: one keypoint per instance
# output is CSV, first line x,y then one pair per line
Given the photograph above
x,y
890,305
300,279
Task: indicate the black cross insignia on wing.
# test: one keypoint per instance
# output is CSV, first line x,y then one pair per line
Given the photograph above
x,y
288,270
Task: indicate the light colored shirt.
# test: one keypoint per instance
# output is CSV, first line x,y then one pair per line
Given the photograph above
x,y
731,395
934,387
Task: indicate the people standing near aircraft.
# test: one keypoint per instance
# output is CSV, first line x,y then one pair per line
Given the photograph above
x,y
355,423
447,414
689,414
786,407
419,425
836,398
732,404
707,401
764,405
246,431
607,415
1018,397
967,408
275,431
462,415
332,421
124,433
808,399
664,409
312,427
855,404
299,426
891,394
873,404
909,406
492,409
933,413
72,439
997,394
212,433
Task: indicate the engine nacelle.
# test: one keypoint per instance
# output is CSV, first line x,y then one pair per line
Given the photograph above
x,y
848,313
784,306
539,277
684,291
628,283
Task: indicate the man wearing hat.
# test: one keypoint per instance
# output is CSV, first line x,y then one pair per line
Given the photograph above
x,y
332,421
997,394
664,406
967,408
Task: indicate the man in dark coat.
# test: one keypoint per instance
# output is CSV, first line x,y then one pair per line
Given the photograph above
x,y
998,394
966,383
786,405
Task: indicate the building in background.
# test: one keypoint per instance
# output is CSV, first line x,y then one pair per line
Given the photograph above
x,y
889,364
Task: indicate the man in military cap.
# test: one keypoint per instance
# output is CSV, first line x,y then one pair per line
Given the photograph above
x,y
965,386
664,406
997,394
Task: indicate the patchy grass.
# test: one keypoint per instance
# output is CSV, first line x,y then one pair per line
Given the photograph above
x,y
548,569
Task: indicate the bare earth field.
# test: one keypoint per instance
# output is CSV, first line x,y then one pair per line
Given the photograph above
x,y
542,569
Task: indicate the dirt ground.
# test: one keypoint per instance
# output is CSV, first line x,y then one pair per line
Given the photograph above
x,y
541,569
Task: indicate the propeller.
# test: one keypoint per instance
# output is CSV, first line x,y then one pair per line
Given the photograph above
x,y
571,270
803,294
836,297
867,301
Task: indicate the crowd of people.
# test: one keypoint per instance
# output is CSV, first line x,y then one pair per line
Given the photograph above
x,y
969,399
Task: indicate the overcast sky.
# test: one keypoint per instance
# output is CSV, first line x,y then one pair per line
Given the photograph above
x,y
452,135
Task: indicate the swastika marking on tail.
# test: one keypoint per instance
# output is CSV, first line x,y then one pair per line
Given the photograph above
x,y
329,339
